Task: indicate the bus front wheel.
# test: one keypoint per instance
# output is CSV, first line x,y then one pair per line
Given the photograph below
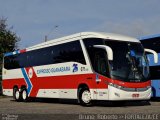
x,y
85,97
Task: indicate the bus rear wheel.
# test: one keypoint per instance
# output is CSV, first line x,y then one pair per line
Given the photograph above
x,y
16,94
85,97
24,95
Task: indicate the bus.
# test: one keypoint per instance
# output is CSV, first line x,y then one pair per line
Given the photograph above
x,y
86,66
153,42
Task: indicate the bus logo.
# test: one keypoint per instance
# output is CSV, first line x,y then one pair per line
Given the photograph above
x,y
30,73
75,67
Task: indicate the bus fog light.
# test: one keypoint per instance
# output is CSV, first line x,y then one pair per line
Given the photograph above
x,y
119,87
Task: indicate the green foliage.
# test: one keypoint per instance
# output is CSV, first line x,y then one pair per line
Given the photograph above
x,y
8,40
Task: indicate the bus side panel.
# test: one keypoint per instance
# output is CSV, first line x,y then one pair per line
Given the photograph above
x,y
65,86
11,78
8,85
155,88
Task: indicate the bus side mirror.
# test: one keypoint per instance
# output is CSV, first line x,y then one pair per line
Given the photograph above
x,y
155,54
108,50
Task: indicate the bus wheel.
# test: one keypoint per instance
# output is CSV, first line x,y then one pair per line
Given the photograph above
x,y
16,94
85,97
24,95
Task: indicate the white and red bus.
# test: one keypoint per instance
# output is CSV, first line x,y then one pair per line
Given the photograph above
x,y
86,66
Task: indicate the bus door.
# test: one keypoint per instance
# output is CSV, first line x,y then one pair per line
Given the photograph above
x,y
100,66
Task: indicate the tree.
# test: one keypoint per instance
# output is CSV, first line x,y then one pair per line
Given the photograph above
x,y
8,40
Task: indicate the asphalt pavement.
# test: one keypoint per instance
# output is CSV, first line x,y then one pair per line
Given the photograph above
x,y
70,109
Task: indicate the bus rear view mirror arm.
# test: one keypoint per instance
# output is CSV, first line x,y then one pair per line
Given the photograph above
x,y
108,50
155,54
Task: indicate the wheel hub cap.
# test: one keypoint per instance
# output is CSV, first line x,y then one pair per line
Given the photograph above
x,y
24,95
17,95
86,96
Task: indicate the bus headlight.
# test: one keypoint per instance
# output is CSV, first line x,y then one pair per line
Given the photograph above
x,y
114,85
129,89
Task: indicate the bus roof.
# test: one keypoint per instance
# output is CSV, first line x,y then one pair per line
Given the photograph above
x,y
151,42
86,35
149,37
77,36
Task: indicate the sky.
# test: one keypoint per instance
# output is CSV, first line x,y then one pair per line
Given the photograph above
x,y
33,19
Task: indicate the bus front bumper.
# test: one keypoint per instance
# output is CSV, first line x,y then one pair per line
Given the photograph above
x,y
116,94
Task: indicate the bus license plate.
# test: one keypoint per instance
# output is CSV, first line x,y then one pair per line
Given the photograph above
x,y
135,95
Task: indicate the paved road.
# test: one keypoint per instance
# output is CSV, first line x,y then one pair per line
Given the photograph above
x,y
44,109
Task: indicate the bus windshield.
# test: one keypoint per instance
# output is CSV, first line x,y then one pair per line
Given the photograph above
x,y
129,61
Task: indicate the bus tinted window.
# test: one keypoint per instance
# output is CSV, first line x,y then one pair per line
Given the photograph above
x,y
98,57
68,52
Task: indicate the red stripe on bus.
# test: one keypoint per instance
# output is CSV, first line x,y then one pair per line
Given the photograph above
x,y
69,82
23,50
10,83
132,84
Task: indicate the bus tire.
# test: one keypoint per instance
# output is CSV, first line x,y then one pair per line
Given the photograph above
x,y
16,94
85,97
24,95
